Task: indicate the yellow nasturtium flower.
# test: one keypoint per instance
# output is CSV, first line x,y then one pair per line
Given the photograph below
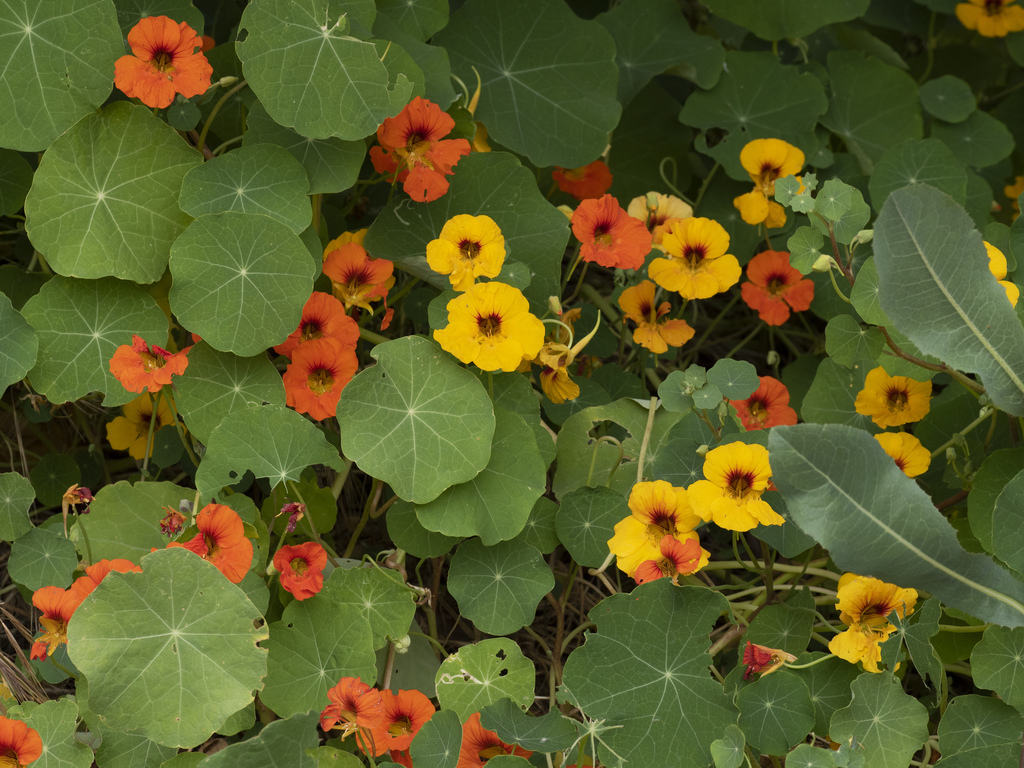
x,y
658,509
865,605
467,248
997,266
737,474
766,160
893,400
906,450
698,266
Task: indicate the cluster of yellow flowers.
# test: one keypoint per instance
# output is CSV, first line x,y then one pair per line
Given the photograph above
x,y
865,605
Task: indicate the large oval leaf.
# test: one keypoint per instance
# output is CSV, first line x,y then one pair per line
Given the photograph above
x,y
843,490
935,285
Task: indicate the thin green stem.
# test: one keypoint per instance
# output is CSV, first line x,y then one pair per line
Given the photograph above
x,y
371,501
743,343
213,113
651,408
149,438
704,185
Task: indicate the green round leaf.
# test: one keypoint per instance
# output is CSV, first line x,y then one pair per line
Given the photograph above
x,y
124,519
979,722
495,504
58,65
864,295
408,533
240,281
55,722
482,673
889,725
979,141
785,625
218,383
52,475
775,712
80,324
948,98
498,588
806,756
736,379
852,221
541,66
15,180
438,743
130,12
547,733
832,395
377,594
847,342
999,468
728,750
104,201
782,19
118,749
314,645
257,178
1007,534
293,737
540,528
419,20
16,496
416,420
829,684
310,74
43,558
998,666
805,248
19,345
182,658
270,441
586,520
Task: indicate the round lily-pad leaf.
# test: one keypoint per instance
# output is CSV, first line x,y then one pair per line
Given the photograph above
x,y
257,178
15,180
408,533
783,19
495,504
124,519
130,12
58,64
498,588
889,724
481,674
240,281
16,495
52,475
438,743
55,722
104,201
775,712
293,737
948,98
376,594
419,20
586,520
311,74
979,141
43,558
979,722
80,324
540,527
547,733
541,66
270,441
218,383
170,652
998,666
313,646
735,379
18,344
416,420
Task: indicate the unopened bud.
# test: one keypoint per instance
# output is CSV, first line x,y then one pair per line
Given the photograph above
x,y
403,644
864,236
555,305
823,263
951,455
227,81
702,451
773,358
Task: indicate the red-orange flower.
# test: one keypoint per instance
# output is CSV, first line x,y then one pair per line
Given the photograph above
x,y
19,744
585,183
677,557
301,568
762,660
412,149
479,745
319,370
767,407
221,540
652,331
57,606
775,287
358,279
139,367
94,574
404,715
164,62
354,706
322,316
609,235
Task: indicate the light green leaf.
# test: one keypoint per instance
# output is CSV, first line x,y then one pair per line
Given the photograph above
x,y
408,533
834,199
18,344
185,660
999,468
16,495
80,324
935,284
124,519
832,395
782,19
57,66
118,749
43,558
257,178
925,161
491,184
378,595
495,504
512,391
55,722
332,165
438,743
805,248
806,756
130,12
775,712
890,725
416,420
874,106
998,664
104,201
586,520
727,751
851,222
847,342
864,295
270,441
541,65
735,379
240,281
15,180
219,383
948,98
1007,535
842,489
315,644
979,722
979,141
419,19
644,687
498,587
482,673
311,75
281,743
546,733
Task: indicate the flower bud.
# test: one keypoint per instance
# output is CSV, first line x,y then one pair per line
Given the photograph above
x,y
823,263
403,644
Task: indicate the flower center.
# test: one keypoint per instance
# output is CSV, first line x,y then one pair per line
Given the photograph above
x,y
10,759
758,411
492,751
993,7
163,62
400,727
776,285
740,484
662,524
211,546
896,400
320,381
415,151
299,566
311,330
694,255
766,178
151,362
489,325
469,250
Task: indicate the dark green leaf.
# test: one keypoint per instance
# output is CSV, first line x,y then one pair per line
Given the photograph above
x,y
948,98
782,19
847,342
979,141
586,521
547,733
438,743
43,558
889,724
925,161
775,712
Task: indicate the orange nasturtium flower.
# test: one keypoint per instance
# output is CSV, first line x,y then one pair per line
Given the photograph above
x,y
491,326
677,557
906,450
130,432
479,745
302,568
658,509
657,212
139,367
97,572
775,287
404,714
865,605
356,278
221,540
319,370
413,149
698,266
323,315
766,160
19,744
355,707
997,266
652,331
588,182
57,606
609,235
893,400
992,18
737,474
164,62
768,406
467,248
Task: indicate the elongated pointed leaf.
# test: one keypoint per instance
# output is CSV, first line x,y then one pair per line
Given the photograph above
x,y
935,285
842,489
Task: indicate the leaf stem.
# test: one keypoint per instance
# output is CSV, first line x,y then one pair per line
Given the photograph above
x,y
201,142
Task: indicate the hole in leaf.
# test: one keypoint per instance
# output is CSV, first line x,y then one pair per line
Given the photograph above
x,y
502,673
500,654
232,474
